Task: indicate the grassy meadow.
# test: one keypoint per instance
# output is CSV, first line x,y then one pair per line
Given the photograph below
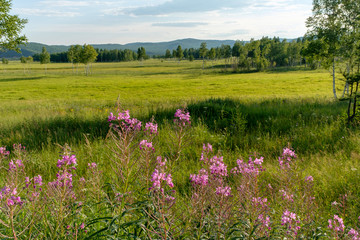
x,y
240,114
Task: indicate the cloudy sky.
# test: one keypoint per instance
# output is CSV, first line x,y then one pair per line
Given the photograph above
x,y
124,21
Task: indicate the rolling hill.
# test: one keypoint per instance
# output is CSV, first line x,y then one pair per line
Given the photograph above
x,y
152,48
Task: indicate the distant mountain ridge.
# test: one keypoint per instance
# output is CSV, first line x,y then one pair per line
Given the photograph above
x,y
152,48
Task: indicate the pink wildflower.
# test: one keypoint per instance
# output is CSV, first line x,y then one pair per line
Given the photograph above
x,y
337,224
151,128
145,145
286,196
183,118
353,234
225,191
82,226
287,156
201,179
3,152
309,179
290,220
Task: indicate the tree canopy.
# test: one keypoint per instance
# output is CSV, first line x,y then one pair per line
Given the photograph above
x,y
10,28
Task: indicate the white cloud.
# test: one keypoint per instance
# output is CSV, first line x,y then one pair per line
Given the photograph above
x,y
47,12
179,24
65,3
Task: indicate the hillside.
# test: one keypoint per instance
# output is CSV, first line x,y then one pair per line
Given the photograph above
x,y
156,48
152,48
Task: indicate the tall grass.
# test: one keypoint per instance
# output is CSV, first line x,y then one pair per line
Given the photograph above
x,y
239,114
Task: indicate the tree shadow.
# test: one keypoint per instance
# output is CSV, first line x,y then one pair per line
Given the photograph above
x,y
310,126
20,79
290,69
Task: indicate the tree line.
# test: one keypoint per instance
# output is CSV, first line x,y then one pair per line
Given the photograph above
x,y
256,54
103,55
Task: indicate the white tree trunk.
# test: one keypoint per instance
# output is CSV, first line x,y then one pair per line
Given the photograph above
x,y
333,73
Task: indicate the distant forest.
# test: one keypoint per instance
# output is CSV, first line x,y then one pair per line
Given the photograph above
x,y
259,54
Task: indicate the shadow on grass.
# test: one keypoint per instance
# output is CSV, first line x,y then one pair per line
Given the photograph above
x,y
21,79
229,69
290,69
309,126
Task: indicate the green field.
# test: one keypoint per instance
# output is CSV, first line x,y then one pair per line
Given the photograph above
x,y
238,113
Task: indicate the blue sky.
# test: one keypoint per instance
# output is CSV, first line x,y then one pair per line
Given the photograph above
x,y
124,21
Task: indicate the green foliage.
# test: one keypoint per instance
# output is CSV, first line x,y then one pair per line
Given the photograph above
x,y
44,56
74,54
4,61
88,54
203,50
179,53
141,53
10,28
167,54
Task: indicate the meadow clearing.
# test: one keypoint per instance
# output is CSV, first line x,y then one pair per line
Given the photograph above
x,y
239,114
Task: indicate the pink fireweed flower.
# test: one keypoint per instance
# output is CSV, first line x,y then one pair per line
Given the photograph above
x,y
207,148
13,166
287,156
38,180
159,161
133,123
183,118
290,220
125,121
151,128
170,198
10,196
259,202
158,177
3,152
63,179
337,224
124,115
19,163
286,196
145,145
168,180
259,161
354,234
250,168
264,221
82,226
201,179
309,179
225,191
217,167
66,161
10,202
92,165
111,117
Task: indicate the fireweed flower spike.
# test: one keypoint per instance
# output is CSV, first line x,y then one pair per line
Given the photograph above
x,y
151,128
159,176
3,152
336,224
291,221
353,234
182,118
145,145
287,156
124,121
225,191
